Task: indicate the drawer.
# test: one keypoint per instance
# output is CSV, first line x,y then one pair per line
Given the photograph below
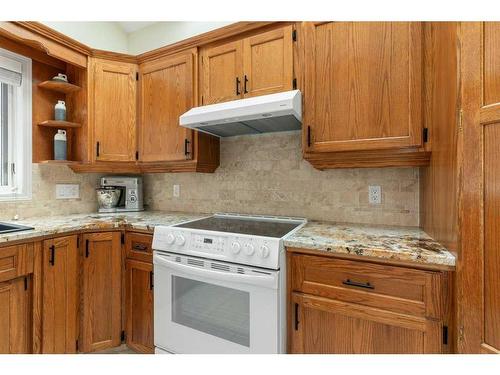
x,y
398,289
138,246
16,261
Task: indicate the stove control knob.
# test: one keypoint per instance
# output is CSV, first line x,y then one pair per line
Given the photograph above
x,y
249,249
235,247
170,239
180,240
263,251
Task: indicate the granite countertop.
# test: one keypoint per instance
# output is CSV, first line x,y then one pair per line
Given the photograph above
x,y
50,225
391,243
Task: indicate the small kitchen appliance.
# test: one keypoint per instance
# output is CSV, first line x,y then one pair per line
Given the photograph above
x,y
120,194
219,285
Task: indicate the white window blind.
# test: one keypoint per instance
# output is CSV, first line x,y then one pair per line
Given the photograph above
x,y
11,72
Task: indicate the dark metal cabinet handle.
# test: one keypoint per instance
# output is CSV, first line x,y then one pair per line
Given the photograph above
x,y
358,284
52,259
308,136
151,275
139,247
87,249
97,149
296,316
238,86
245,85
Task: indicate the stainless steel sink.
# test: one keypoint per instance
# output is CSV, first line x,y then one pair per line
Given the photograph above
x,y
9,228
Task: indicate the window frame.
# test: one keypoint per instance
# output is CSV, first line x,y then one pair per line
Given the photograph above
x,y
20,134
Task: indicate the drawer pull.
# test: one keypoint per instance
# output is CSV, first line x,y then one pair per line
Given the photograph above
x,y
139,247
52,259
358,284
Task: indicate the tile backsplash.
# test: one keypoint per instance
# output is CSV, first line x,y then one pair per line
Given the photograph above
x,y
44,202
265,174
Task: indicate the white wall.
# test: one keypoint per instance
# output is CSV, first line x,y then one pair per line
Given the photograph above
x,y
164,33
100,35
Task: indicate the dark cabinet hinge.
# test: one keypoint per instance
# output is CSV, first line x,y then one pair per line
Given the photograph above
x,y
296,321
445,335
123,337
294,35
136,76
137,155
151,280
86,248
186,147
122,238
294,84
425,135
25,283
52,259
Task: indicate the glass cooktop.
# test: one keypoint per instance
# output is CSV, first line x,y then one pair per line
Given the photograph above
x,y
241,225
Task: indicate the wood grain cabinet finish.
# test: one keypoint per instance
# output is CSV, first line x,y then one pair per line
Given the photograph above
x,y
139,306
257,65
113,110
351,307
362,86
101,291
138,246
16,261
167,91
15,316
60,295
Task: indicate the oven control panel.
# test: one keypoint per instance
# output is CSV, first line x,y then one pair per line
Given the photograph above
x,y
243,249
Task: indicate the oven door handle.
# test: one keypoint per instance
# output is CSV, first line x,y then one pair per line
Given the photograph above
x,y
266,281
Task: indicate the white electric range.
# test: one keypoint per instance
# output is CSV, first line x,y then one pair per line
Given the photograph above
x,y
220,284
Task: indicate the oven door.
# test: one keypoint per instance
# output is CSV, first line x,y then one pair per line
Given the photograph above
x,y
205,306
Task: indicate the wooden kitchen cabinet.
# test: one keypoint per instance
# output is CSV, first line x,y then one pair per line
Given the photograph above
x,y
139,306
101,291
60,295
351,307
112,110
167,91
15,316
256,65
362,93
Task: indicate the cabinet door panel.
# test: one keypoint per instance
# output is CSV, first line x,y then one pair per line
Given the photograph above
x,y
15,317
114,106
167,92
222,68
60,295
140,306
268,62
101,291
362,85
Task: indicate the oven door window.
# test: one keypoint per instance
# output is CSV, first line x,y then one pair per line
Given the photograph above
x,y
216,310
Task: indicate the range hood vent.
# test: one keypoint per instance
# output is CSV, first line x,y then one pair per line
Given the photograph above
x,y
261,114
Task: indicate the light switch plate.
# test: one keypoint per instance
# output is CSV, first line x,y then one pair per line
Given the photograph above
x,y
374,194
67,191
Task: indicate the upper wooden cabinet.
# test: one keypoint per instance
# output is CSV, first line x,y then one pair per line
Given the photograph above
x,y
167,91
112,97
362,86
257,65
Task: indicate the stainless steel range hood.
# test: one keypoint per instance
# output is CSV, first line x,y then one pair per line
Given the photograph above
x,y
261,114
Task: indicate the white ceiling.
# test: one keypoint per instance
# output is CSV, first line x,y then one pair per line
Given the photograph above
x,y
130,27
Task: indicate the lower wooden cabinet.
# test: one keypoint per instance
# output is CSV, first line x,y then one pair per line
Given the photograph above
x,y
15,316
352,307
101,291
60,295
139,302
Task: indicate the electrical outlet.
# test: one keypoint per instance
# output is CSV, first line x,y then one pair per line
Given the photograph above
x,y
374,194
177,191
67,191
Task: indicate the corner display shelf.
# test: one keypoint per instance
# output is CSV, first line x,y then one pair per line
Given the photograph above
x,y
59,86
59,124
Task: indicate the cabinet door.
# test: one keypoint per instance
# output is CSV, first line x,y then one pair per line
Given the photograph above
x,y
167,92
60,295
321,325
101,295
140,306
114,110
222,72
362,88
268,62
15,317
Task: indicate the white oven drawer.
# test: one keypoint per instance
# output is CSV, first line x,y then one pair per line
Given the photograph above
x,y
204,306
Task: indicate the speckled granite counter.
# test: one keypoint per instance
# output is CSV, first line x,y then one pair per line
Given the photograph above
x,y
45,226
390,243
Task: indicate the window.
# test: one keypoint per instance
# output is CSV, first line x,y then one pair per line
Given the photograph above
x,y
15,126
